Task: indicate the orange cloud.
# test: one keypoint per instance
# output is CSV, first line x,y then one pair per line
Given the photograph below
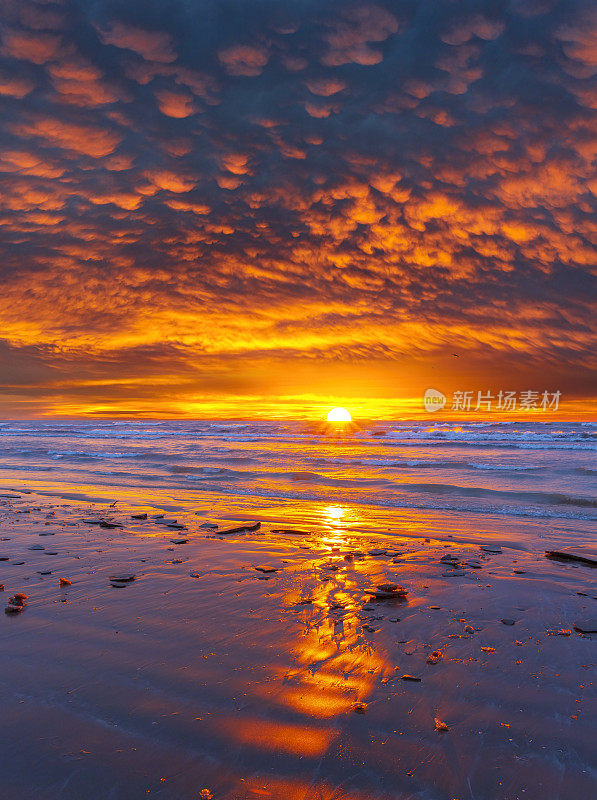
x,y
244,59
13,86
38,48
85,139
175,104
349,39
151,45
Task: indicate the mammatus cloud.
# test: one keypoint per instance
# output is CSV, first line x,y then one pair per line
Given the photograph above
x,y
273,200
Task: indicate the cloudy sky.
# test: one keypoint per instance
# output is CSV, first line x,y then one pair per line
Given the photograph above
x,y
253,206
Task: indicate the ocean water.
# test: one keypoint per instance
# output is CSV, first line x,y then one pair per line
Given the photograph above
x,y
372,474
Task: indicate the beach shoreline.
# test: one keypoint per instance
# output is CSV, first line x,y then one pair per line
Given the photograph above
x,y
256,664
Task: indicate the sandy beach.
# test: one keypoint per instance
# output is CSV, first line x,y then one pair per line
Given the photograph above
x,y
256,663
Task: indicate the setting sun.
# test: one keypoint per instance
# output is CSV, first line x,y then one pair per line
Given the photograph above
x,y
339,415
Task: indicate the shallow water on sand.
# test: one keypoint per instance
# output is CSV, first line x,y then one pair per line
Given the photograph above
x,y
529,469
207,672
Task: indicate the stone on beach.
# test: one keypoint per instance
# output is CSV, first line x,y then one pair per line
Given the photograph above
x,y
250,526
434,657
179,541
139,516
291,531
588,625
64,582
266,568
584,554
508,622
104,523
124,577
387,590
413,678
491,548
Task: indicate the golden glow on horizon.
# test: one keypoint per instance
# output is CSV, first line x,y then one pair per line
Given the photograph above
x,y
339,414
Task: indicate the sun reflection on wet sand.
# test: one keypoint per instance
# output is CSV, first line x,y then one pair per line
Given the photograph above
x,y
330,665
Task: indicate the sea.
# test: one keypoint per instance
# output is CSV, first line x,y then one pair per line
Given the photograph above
x,y
420,475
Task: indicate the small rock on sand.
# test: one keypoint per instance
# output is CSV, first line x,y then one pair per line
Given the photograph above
x,y
64,582
266,568
123,578
138,516
179,541
491,548
588,625
359,708
411,678
508,622
36,547
584,554
388,590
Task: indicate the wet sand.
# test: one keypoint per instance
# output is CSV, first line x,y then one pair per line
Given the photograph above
x,y
286,682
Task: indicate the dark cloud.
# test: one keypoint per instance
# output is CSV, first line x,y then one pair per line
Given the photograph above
x,y
309,180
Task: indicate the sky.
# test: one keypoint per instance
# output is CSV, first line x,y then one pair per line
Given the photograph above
x,y
263,207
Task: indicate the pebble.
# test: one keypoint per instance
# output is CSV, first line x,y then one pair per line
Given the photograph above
x,y
491,548
50,552
64,582
389,590
359,708
508,622
44,572
36,547
179,541
138,516
123,578
469,629
411,678
266,568
91,521
588,625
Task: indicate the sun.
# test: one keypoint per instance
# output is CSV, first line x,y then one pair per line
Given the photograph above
x,y
339,415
